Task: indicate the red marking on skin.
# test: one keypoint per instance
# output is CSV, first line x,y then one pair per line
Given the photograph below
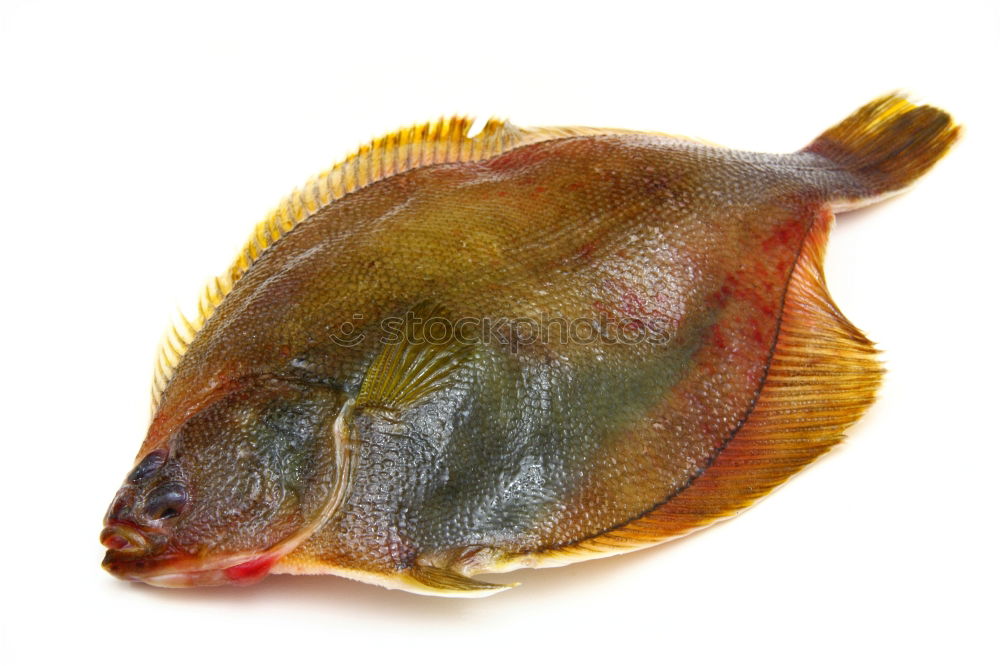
x,y
585,250
718,339
250,572
736,286
540,189
784,235
629,302
632,308
574,186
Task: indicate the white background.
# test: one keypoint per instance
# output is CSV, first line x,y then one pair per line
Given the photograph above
x,y
139,142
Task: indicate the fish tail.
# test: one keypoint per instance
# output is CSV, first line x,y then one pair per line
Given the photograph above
x,y
882,148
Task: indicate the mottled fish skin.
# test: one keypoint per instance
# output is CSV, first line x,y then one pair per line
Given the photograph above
x,y
654,271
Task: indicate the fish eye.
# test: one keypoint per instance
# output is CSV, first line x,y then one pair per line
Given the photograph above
x,y
166,501
148,465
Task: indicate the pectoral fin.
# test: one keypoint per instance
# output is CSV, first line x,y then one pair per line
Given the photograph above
x,y
420,359
444,582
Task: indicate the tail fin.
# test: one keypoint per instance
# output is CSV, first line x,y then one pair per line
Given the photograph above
x,y
883,147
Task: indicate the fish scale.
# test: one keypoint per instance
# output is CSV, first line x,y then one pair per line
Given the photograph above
x,y
518,349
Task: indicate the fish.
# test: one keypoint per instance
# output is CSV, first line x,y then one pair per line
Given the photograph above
x,y
463,352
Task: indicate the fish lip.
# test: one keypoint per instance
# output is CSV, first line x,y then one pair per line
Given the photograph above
x,y
126,539
133,549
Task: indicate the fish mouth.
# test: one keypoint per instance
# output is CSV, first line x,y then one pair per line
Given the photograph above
x,y
133,552
130,557
141,556
125,539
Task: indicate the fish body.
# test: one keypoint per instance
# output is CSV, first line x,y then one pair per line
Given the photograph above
x,y
449,356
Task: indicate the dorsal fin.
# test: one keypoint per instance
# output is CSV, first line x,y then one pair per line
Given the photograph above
x,y
443,141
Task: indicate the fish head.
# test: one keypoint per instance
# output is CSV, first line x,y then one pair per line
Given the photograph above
x,y
233,487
